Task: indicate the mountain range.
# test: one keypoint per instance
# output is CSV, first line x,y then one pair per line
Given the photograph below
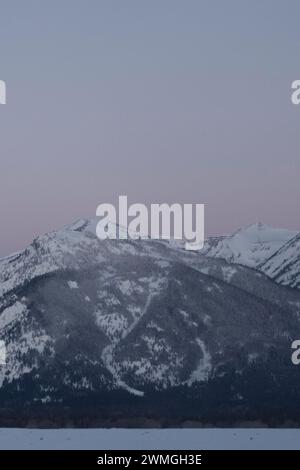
x,y
144,333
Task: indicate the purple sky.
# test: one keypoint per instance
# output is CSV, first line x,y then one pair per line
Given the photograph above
x,y
164,101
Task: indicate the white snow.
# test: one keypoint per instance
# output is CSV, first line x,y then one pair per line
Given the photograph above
x,y
249,246
128,287
204,367
207,320
149,439
284,266
2,352
155,326
184,313
125,287
228,272
73,284
252,357
12,314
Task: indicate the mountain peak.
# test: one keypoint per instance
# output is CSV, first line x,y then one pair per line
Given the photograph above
x,y
251,245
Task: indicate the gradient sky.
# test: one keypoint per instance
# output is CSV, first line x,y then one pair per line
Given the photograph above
x,y
162,100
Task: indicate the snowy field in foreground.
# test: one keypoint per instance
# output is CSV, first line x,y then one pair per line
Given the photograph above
x,y
106,439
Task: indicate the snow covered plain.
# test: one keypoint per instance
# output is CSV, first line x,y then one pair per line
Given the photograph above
x,y
149,439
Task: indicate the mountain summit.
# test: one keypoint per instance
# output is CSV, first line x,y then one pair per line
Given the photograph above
x,y
250,246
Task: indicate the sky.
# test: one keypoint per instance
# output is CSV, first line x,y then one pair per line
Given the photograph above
x,y
163,101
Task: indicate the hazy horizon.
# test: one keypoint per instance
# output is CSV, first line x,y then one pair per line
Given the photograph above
x,y
165,101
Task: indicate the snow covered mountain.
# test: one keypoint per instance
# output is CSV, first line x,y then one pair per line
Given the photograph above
x,y
284,265
250,246
142,333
